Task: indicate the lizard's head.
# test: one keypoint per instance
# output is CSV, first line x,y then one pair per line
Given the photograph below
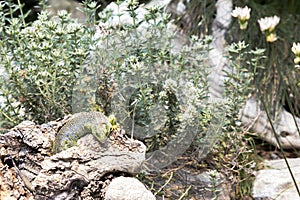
x,y
113,123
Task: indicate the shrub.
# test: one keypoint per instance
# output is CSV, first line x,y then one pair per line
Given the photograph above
x,y
41,62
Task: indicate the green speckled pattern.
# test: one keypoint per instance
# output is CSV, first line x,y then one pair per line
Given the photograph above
x,y
80,125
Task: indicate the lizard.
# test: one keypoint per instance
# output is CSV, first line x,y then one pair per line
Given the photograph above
x,y
81,124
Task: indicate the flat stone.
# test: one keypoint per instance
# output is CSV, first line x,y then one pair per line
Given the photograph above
x,y
275,181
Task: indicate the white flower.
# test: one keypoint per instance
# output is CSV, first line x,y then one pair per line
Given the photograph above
x,y
241,13
132,3
63,13
170,84
22,112
73,27
268,23
44,15
16,104
296,49
92,5
138,66
2,102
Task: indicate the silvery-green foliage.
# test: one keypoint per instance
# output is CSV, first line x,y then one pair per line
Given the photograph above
x,y
243,67
41,62
157,94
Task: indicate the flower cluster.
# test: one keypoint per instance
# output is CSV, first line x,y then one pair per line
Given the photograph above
x,y
296,51
267,25
243,15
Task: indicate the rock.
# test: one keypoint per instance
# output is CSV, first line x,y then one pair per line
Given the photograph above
x,y
285,125
27,145
71,6
160,3
85,165
127,188
275,181
81,171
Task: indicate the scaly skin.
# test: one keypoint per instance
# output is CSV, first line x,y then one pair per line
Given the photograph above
x,y
83,123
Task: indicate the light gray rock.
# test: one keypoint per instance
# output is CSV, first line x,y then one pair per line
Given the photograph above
x,y
275,181
127,188
286,129
72,7
160,3
80,171
85,163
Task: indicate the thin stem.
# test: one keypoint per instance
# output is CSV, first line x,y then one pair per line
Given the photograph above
x,y
21,12
279,144
10,10
185,193
164,185
7,117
